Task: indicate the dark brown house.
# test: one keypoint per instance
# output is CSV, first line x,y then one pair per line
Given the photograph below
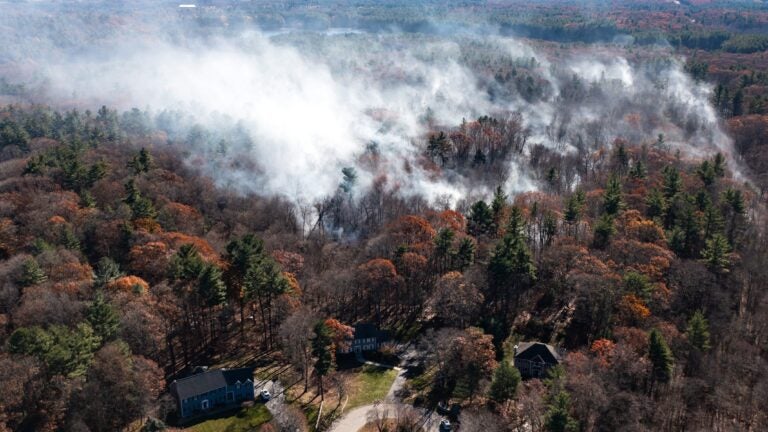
x,y
533,359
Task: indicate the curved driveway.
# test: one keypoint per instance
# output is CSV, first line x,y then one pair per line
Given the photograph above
x,y
355,419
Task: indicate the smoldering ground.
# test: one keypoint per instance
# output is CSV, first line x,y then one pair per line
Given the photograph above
x,y
300,106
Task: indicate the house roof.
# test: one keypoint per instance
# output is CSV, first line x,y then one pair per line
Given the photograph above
x,y
208,381
529,350
233,376
366,330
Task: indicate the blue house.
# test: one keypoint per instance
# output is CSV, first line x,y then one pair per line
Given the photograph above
x,y
212,389
367,337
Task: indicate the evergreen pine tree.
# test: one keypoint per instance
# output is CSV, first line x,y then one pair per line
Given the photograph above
x,y
35,165
656,204
706,173
698,332
638,170
553,179
439,146
39,246
558,418
686,224
673,183
516,223
12,134
322,351
465,255
573,208
142,162
550,227
638,284
660,356
612,201
505,381
68,239
103,318
132,193
479,158
712,223
718,165
738,103
621,159
480,219
87,200
735,200
604,230
443,243
497,206
31,273
211,286
95,173
186,264
510,270
716,254
107,270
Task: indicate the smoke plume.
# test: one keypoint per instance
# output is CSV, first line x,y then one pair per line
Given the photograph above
x,y
284,112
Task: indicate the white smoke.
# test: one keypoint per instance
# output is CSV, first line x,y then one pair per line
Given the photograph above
x,y
312,103
305,120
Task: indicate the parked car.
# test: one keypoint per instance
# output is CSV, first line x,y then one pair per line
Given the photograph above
x,y
451,411
265,396
445,425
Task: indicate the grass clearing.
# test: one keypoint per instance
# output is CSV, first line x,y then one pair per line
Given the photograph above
x,y
369,385
247,419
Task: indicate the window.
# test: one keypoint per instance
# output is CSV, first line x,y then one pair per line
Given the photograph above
x,y
204,404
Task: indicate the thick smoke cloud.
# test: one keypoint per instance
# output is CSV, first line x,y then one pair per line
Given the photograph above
x,y
306,105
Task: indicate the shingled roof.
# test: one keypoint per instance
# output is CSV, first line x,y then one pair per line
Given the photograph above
x,y
208,381
531,349
366,330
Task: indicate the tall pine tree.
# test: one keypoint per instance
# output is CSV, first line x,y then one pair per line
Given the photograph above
x,y
322,351
612,201
698,332
661,357
505,381
103,318
31,273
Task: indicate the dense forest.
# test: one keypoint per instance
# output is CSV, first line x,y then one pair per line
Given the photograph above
x,y
125,262
649,272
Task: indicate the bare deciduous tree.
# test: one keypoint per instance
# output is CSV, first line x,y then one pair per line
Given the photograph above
x,y
297,347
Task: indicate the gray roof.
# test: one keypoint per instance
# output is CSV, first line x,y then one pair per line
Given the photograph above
x,y
208,381
536,347
366,330
233,376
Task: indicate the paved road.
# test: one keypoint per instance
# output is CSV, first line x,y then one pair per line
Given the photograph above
x,y
355,419
358,417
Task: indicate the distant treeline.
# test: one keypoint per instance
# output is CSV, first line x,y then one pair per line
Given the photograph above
x,y
739,28
556,28
585,32
707,40
10,89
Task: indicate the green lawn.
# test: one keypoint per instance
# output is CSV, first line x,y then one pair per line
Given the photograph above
x,y
247,419
371,384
